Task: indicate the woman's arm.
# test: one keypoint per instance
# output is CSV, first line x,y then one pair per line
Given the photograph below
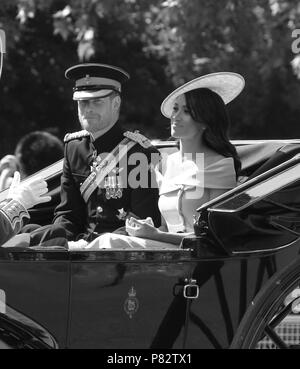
x,y
171,237
138,228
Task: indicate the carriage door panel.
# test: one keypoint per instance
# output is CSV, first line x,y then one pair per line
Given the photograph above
x,y
36,287
120,299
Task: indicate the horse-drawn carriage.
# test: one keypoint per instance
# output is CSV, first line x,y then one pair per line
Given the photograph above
x,y
215,291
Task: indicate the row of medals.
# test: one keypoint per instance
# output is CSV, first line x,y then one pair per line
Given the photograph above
x,y
112,186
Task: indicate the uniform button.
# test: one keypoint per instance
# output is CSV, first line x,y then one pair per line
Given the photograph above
x,y
99,209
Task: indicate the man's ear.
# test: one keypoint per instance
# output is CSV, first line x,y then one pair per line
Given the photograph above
x,y
117,103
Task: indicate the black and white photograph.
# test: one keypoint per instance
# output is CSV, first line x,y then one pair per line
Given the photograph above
x,y
149,177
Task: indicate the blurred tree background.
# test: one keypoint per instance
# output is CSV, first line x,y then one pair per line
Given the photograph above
x,y
161,43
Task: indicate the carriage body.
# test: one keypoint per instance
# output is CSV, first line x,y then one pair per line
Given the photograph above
x,y
192,297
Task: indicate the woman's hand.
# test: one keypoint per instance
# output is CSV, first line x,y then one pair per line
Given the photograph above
x,y
30,193
143,228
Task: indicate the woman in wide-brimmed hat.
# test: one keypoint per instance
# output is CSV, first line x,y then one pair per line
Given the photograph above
x,y
205,166
207,163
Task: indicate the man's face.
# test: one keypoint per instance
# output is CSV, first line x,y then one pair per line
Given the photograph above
x,y
99,114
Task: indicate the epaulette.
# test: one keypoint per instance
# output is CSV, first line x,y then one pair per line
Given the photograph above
x,y
139,138
71,136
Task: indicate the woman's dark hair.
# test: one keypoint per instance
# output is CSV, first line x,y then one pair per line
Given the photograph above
x,y
37,150
207,106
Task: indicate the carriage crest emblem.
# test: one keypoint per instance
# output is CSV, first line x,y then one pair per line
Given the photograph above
x,y
131,304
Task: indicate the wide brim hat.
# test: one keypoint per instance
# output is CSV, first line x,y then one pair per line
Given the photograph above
x,y
95,80
228,85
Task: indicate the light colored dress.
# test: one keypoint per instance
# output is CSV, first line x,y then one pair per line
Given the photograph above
x,y
184,187
187,185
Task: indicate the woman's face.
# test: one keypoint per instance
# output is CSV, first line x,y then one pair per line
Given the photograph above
x,y
182,124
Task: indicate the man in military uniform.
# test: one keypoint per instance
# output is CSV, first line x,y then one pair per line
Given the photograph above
x,y
98,190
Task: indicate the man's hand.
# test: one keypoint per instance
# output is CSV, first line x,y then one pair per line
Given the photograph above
x,y
29,193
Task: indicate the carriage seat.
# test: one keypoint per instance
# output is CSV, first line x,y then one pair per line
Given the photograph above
x,y
282,154
267,226
254,156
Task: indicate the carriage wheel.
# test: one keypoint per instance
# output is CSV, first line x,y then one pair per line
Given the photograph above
x,y
273,318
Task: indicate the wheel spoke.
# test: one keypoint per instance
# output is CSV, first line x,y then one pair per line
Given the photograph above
x,y
273,318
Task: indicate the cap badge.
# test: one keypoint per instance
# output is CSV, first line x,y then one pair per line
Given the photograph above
x,y
87,79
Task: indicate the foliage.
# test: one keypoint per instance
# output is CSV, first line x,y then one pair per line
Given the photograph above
x,y
161,43
249,37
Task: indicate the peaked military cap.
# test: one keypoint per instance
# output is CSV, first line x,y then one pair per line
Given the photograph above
x,y
94,80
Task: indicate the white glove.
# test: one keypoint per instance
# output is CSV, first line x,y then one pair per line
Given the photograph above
x,y
8,165
9,162
29,193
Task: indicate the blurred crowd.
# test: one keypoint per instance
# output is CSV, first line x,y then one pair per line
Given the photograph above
x,y
33,152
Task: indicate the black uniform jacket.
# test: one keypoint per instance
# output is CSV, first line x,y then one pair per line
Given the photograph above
x,y
6,229
100,214
12,218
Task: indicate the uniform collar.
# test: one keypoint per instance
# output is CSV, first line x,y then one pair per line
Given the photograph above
x,y
110,139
